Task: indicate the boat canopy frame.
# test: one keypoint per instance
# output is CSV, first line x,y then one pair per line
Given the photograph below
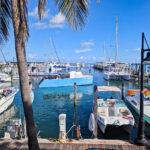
x,y
108,89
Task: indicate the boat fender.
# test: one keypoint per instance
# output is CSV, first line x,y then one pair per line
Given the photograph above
x,y
91,122
32,96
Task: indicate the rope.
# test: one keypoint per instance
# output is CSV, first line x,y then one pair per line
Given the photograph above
x,y
70,130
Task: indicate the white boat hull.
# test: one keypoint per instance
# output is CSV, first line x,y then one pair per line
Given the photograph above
x,y
114,121
5,102
116,77
101,124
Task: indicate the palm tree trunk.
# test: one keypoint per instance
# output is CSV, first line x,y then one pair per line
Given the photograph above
x,y
23,73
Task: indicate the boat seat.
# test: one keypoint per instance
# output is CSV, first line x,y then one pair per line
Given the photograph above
x,y
124,111
101,111
111,111
111,102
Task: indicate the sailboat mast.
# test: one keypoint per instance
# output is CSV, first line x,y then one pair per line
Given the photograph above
x,y
51,56
116,57
104,52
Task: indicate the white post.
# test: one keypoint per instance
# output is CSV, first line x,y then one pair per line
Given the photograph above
x,y
62,127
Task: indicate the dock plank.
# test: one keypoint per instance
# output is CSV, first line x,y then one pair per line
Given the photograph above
x,y
73,145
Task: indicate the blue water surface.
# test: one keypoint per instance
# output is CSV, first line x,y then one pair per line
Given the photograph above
x,y
49,103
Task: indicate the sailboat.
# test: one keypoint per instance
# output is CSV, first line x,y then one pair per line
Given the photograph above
x,y
116,72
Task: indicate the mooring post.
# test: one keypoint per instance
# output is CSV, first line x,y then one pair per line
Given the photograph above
x,y
62,127
95,111
75,108
123,91
11,78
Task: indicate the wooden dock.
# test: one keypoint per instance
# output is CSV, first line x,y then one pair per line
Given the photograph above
x,y
86,144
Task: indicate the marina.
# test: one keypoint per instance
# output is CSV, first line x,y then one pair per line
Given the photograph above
x,y
50,102
81,89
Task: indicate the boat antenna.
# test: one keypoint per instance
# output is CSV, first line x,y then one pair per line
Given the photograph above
x,y
116,57
55,50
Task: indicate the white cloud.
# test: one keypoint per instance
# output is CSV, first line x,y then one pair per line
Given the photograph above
x,y
34,13
138,49
40,25
57,21
83,51
87,44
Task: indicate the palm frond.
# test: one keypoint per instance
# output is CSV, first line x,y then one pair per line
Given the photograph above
x,y
5,16
41,8
75,11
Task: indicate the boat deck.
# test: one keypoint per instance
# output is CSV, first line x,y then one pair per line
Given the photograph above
x,y
45,144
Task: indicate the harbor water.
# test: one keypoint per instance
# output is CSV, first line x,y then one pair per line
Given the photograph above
x,y
49,103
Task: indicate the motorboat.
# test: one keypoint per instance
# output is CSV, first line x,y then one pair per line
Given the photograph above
x,y
133,100
67,79
113,112
6,98
4,77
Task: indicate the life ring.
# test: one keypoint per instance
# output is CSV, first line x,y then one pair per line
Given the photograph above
x,y
91,122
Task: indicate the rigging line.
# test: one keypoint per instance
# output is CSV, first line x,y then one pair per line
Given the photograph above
x,y
55,50
3,56
146,42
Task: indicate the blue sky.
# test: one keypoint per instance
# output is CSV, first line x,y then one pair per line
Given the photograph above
x,y
86,45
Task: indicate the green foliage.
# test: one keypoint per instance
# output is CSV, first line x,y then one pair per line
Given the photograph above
x,y
5,16
75,11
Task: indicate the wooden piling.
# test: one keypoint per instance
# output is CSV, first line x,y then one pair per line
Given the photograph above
x,y
75,94
95,111
75,107
123,91
11,78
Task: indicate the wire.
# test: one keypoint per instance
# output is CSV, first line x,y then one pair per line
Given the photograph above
x,y
146,41
70,130
55,50
3,56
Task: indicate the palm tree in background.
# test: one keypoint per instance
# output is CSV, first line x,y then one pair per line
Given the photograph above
x,y
75,12
5,16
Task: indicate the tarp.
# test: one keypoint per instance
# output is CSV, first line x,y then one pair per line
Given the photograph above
x,y
108,88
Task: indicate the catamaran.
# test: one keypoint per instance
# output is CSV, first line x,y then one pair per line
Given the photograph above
x,y
117,73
